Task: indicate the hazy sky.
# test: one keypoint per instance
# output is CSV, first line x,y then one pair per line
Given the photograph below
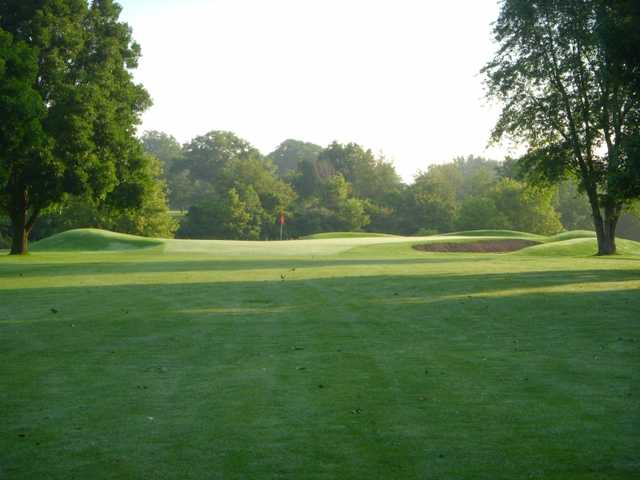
x,y
397,76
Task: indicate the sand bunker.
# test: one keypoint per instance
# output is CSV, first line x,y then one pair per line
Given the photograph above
x,y
481,246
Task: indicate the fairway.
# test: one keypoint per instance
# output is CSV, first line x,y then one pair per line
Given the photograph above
x,y
332,358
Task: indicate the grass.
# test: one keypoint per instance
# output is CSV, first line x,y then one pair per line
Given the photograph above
x,y
497,233
369,360
317,236
572,234
93,240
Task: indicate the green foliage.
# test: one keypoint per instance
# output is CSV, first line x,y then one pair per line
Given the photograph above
x,y
480,212
162,146
149,218
291,153
370,177
573,207
333,209
629,226
233,215
5,235
435,197
207,155
352,215
526,209
369,186
235,191
229,188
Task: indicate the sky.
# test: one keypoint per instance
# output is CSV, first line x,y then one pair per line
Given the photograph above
x,y
400,77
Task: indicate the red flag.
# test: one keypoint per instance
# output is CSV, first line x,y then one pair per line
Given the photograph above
x,y
281,218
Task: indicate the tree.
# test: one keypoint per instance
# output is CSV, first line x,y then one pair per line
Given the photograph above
x,y
228,216
69,109
256,178
480,213
150,218
290,153
569,80
525,208
435,197
573,207
206,155
370,177
164,147
238,192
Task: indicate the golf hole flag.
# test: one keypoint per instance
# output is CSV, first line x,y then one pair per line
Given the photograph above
x,y
281,222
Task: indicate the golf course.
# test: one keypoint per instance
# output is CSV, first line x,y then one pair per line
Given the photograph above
x,y
338,357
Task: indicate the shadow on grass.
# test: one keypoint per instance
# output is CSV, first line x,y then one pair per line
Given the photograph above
x,y
417,376
247,296
140,265
143,265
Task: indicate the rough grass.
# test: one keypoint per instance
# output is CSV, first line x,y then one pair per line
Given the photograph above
x,y
374,362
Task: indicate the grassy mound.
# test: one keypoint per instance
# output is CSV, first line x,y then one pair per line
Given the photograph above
x,y
570,235
92,240
495,233
477,246
320,236
578,247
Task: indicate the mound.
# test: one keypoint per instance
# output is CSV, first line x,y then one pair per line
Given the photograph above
x,y
482,246
92,240
579,247
319,236
493,233
570,235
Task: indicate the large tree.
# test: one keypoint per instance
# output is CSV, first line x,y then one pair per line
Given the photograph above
x,y
568,75
69,109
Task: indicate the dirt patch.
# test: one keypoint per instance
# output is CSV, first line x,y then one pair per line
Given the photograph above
x,y
481,246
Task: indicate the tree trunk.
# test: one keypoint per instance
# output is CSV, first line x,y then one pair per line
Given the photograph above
x,y
605,227
21,224
607,245
606,230
20,240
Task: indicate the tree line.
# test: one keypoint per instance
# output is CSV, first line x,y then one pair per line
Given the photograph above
x,y
219,186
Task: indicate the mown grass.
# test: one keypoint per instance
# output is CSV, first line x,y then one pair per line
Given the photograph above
x,y
359,360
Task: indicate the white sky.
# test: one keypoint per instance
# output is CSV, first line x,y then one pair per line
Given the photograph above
x,y
397,76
